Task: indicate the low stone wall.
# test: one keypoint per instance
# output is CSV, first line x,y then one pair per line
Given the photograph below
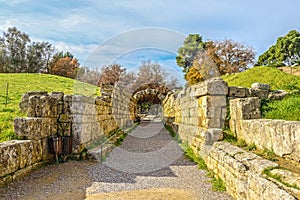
x,y
18,158
242,173
89,121
280,136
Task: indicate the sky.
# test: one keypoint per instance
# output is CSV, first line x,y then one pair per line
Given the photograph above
x,y
101,32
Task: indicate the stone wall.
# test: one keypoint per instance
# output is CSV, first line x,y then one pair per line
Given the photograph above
x,y
282,137
88,121
243,173
198,114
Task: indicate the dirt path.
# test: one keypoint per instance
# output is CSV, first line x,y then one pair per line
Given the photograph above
x,y
148,165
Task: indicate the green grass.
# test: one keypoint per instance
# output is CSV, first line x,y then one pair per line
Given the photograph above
x,y
286,109
277,79
188,152
19,84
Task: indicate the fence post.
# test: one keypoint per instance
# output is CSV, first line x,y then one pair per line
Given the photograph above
x,y
6,98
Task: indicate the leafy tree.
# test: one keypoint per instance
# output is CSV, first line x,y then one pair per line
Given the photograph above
x,y
203,68
18,54
16,44
230,56
111,74
187,53
38,57
286,51
64,64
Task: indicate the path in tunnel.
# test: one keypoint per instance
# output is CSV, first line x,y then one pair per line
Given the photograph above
x,y
148,165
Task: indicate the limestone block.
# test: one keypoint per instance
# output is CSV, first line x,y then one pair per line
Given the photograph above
x,y
277,94
238,92
260,86
9,157
247,108
24,103
259,93
211,135
35,128
288,177
214,86
30,152
42,106
281,137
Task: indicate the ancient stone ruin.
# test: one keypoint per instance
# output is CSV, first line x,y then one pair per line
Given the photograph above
x,y
198,115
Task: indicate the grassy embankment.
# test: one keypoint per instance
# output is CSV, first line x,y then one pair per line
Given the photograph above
x,y
289,107
19,84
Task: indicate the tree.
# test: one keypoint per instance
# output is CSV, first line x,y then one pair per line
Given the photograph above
x,y
203,68
16,44
286,51
187,53
230,56
64,64
38,57
111,74
18,54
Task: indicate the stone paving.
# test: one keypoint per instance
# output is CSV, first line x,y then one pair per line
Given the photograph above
x,y
149,161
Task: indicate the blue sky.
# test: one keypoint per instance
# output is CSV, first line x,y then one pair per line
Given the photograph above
x,y
85,26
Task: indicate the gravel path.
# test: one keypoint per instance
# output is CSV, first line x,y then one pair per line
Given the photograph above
x,y
148,165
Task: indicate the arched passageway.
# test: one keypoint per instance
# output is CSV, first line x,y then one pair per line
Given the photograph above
x,y
148,99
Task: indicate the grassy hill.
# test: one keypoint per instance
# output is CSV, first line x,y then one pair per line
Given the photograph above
x,y
268,75
18,84
289,107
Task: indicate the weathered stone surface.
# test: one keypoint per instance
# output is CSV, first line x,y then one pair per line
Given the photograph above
x,y
214,86
282,137
287,177
260,86
242,173
24,103
17,154
247,108
42,106
34,128
277,95
238,92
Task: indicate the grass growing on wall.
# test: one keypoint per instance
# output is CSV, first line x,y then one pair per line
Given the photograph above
x,y
20,84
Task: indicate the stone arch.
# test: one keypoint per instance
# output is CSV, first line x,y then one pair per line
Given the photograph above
x,y
154,93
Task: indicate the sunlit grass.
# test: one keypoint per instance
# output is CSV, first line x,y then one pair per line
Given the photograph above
x,y
19,84
277,79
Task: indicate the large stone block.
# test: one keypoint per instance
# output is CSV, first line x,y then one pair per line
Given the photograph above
x,y
9,157
214,86
24,103
42,106
246,108
35,128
